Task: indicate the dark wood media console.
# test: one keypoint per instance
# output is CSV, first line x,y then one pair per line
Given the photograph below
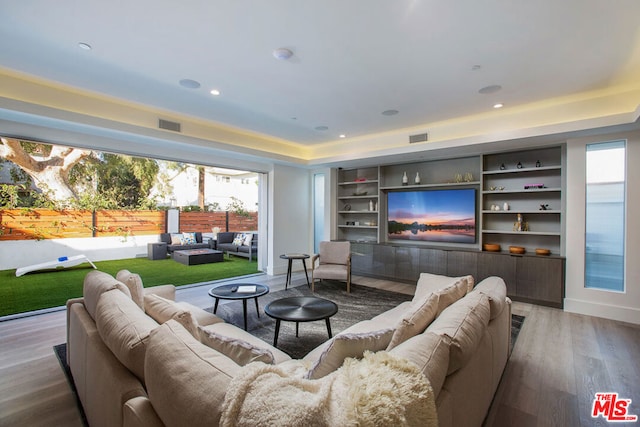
x,y
530,278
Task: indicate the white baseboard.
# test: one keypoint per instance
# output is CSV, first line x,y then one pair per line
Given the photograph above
x,y
613,312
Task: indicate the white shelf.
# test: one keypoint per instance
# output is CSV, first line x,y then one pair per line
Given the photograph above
x,y
443,185
357,197
357,212
369,181
525,233
528,212
374,227
523,191
522,170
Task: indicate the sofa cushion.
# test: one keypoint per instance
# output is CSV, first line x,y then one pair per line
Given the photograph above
x,y
496,290
238,239
238,350
348,345
430,353
176,239
464,322
246,239
231,331
124,328
416,320
134,283
186,380
450,289
161,310
95,284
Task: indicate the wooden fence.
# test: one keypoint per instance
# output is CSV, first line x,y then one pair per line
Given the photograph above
x,y
40,224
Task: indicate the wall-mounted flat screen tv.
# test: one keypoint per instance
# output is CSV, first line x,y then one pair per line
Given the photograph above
x,y
430,215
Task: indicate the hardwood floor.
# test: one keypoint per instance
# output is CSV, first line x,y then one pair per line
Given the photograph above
x,y
559,362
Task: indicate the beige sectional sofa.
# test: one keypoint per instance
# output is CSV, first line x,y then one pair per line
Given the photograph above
x,y
140,359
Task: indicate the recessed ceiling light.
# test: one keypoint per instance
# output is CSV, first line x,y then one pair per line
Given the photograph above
x,y
476,67
343,136
215,92
84,46
322,128
390,112
498,105
490,89
190,84
282,53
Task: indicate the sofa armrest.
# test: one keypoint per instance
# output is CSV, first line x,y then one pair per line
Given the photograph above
x,y
164,291
70,302
139,412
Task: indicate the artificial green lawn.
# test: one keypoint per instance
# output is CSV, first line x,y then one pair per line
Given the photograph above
x,y
38,290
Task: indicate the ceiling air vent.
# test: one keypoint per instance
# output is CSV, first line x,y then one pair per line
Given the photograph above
x,y
421,137
166,124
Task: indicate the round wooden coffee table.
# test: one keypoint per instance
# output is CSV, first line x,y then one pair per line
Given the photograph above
x,y
300,309
239,291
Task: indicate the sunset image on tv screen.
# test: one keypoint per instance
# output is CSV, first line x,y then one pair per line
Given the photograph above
x,y
432,215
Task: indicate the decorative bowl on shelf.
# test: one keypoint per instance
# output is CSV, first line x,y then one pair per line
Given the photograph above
x,y
541,251
516,250
491,247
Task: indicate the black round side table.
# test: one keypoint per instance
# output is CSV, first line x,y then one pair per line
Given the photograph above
x,y
238,291
300,309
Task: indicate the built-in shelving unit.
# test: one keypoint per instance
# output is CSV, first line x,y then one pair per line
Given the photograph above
x,y
357,204
499,178
528,183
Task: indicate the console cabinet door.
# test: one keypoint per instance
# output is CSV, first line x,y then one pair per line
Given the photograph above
x,y
540,279
462,263
504,266
384,261
432,261
407,263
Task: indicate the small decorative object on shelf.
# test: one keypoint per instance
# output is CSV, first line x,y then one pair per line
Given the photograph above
x,y
543,251
502,167
361,179
492,188
417,180
519,165
516,250
468,177
458,177
405,179
505,206
538,164
544,207
520,224
375,206
347,207
501,188
530,186
371,205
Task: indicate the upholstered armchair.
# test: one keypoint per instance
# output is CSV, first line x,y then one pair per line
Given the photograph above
x,y
333,262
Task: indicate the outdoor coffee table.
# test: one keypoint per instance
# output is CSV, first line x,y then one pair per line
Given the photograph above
x,y
300,309
243,291
198,256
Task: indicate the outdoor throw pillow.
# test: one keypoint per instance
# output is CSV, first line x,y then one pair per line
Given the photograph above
x,y
189,238
238,240
247,238
240,351
176,239
348,345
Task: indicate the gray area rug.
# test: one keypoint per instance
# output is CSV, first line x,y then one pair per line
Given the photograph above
x,y
361,304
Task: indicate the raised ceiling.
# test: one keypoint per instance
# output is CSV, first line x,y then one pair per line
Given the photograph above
x,y
352,60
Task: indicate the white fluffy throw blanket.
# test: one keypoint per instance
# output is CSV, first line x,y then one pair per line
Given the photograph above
x,y
378,390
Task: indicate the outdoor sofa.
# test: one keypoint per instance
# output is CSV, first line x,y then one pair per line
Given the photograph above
x,y
244,244
179,242
138,359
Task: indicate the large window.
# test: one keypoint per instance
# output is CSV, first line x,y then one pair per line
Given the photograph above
x,y
605,216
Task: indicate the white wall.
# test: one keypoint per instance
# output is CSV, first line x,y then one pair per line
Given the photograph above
x,y
21,253
290,216
624,306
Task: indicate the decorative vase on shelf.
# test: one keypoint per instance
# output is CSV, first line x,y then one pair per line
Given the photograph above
x,y
519,165
505,206
538,164
417,180
371,205
405,179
